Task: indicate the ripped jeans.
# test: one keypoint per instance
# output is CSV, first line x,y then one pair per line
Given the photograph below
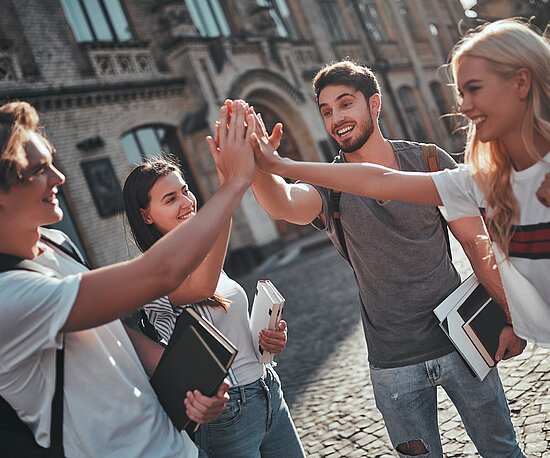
x,y
407,399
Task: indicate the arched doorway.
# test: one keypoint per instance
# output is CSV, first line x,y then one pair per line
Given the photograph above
x,y
288,148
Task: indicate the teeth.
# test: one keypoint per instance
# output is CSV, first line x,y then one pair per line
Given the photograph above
x,y
476,121
344,130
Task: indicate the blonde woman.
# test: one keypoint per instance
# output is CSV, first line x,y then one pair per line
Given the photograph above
x,y
502,76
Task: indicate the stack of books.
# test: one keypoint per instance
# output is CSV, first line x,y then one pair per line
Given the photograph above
x,y
473,322
266,313
198,357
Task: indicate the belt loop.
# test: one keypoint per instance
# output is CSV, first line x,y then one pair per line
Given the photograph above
x,y
243,394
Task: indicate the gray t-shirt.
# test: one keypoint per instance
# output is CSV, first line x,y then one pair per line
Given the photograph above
x,y
399,255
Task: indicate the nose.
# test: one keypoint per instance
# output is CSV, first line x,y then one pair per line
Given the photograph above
x,y
56,177
188,200
464,105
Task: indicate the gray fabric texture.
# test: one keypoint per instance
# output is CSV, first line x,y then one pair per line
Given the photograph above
x,y
399,255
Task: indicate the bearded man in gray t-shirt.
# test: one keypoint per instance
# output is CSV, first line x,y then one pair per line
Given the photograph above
x,y
399,255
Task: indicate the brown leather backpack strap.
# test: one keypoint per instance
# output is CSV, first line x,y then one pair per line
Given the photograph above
x,y
430,156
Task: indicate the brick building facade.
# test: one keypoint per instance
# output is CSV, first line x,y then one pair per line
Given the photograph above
x,y
116,81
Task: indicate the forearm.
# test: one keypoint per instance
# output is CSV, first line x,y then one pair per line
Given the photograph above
x,y
202,283
295,203
365,179
484,265
111,292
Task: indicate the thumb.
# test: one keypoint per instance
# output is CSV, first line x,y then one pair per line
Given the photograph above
x,y
213,147
276,135
502,341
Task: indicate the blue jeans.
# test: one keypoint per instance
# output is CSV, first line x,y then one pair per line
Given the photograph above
x,y
255,423
407,398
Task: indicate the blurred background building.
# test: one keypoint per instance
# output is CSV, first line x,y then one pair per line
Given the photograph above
x,y
117,81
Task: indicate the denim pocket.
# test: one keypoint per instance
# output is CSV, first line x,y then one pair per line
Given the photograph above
x,y
230,415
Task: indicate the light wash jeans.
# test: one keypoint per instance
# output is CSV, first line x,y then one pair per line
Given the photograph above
x,y
255,423
407,398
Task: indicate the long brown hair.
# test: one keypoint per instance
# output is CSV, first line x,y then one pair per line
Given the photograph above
x,y
135,196
507,45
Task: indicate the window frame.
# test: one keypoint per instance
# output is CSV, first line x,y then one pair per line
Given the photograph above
x,y
336,27
197,11
115,38
165,147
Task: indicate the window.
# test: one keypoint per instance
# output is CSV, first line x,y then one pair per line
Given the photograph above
x,y
282,16
412,114
97,20
153,141
331,15
371,20
409,20
442,105
209,17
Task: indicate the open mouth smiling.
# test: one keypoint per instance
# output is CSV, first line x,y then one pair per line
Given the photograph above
x,y
342,131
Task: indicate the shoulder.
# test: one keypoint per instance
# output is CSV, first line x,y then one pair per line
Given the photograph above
x,y
415,149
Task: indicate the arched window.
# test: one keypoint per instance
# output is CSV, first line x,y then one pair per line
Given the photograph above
x,y
209,17
97,20
442,105
412,114
150,141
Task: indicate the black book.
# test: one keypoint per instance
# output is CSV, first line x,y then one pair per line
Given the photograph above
x,y
484,328
197,357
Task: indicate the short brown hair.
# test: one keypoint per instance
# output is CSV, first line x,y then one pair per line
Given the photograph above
x,y
16,120
348,73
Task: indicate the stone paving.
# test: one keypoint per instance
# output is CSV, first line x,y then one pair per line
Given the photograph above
x,y
325,376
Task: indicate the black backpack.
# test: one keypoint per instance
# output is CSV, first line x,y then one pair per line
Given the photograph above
x,y
16,439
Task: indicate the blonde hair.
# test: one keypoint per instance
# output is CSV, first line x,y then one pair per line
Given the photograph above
x,y
17,119
508,45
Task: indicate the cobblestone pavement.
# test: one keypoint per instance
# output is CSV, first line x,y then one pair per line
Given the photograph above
x,y
325,375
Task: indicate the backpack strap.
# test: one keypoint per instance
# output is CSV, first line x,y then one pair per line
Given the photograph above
x,y
338,230
57,240
431,157
11,262
56,426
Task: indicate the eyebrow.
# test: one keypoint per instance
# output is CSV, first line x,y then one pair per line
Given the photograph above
x,y
173,192
344,94
469,82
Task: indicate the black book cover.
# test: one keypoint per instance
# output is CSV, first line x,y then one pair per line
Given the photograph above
x,y
190,362
484,328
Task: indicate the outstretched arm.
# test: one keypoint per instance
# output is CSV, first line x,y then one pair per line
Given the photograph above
x,y
472,235
111,292
364,179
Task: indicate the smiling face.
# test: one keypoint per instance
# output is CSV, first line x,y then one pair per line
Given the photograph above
x,y
32,202
495,105
171,203
347,116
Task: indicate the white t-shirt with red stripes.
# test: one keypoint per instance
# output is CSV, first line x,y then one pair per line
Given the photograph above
x,y
526,277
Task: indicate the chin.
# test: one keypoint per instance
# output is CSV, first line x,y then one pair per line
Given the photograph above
x,y
55,217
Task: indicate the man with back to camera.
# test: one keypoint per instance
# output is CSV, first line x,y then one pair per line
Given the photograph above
x,y
399,255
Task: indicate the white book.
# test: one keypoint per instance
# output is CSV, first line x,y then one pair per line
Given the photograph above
x,y
452,321
267,310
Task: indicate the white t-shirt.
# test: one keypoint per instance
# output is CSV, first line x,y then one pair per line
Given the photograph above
x,y
110,408
526,277
233,324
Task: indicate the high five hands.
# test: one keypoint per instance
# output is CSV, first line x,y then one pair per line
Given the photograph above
x,y
241,130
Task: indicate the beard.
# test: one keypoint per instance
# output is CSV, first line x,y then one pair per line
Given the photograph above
x,y
365,130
